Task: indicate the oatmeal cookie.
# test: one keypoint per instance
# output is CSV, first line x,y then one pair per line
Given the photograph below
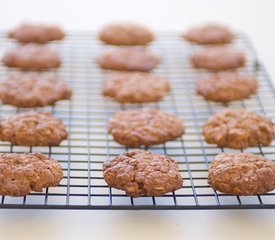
x,y
32,57
226,87
32,129
238,128
126,34
145,126
218,58
136,87
139,172
128,59
39,33
242,174
33,90
21,173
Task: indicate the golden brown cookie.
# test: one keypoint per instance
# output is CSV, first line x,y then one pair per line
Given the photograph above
x,y
209,34
226,87
32,129
139,173
145,126
238,128
126,34
39,33
136,87
32,57
128,59
218,58
33,90
21,173
242,174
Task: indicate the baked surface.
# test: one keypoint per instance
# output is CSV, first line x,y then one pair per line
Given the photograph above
x,y
242,174
139,172
135,87
21,173
144,126
32,129
238,128
33,90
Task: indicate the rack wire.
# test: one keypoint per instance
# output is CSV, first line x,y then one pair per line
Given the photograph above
x,y
89,144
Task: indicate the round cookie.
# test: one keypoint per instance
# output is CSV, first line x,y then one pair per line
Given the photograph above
x,y
128,59
242,174
226,87
39,33
32,57
21,173
218,58
209,34
32,129
33,90
126,34
145,126
139,173
136,87
238,128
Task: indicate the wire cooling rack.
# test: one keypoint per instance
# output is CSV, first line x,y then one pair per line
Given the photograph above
x,y
89,145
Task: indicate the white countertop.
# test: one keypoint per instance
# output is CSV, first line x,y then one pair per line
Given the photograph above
x,y
255,17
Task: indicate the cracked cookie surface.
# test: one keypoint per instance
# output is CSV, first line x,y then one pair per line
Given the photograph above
x,y
226,87
144,126
136,87
218,58
238,128
33,90
32,129
126,34
128,59
32,56
21,173
242,174
139,172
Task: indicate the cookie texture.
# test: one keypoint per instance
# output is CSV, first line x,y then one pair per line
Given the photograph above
x,y
21,173
139,172
136,87
242,174
33,90
209,34
226,87
126,34
32,129
39,33
144,126
128,59
218,58
238,128
32,56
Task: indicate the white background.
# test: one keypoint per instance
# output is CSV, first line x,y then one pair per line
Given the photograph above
x,y
255,17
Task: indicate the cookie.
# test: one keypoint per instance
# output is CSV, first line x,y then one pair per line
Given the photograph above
x,y
218,58
242,174
139,173
21,173
39,33
136,87
145,126
32,129
238,128
128,59
225,87
209,34
33,90
126,34
32,57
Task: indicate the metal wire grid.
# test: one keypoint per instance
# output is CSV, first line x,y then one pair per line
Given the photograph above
x,y
89,145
